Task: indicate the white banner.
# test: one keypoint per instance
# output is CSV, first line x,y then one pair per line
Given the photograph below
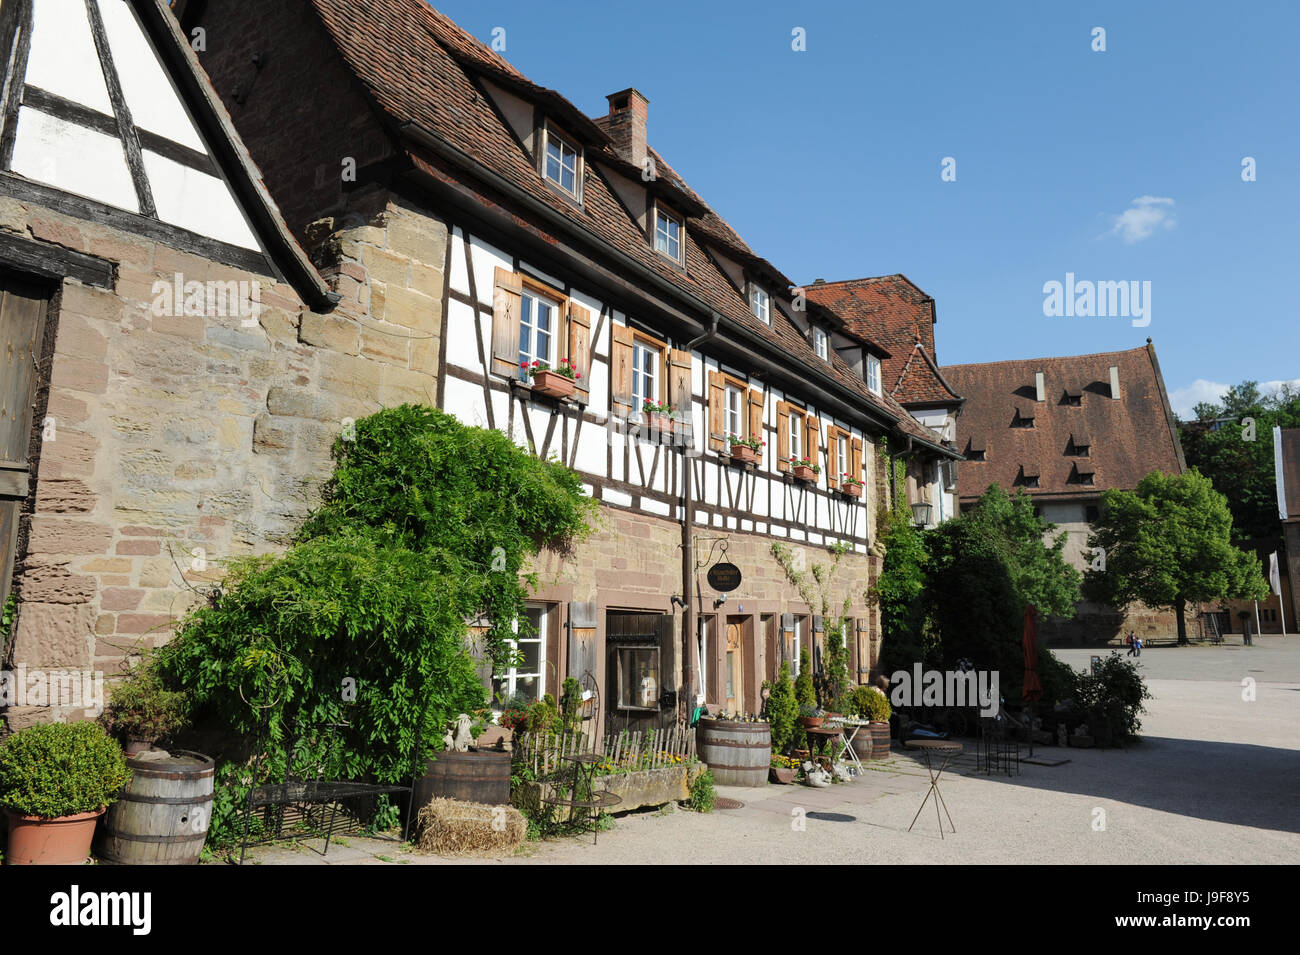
x,y
1274,575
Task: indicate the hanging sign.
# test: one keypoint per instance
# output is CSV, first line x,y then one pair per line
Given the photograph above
x,y
724,577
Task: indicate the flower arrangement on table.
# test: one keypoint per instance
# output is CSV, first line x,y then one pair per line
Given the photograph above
x,y
805,469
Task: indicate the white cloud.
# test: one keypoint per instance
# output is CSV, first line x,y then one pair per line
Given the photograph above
x,y
1185,399
1143,217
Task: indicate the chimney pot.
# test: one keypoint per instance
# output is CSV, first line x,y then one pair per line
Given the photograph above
x,y
1039,387
1114,381
627,124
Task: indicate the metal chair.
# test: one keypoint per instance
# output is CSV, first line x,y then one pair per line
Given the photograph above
x,y
999,750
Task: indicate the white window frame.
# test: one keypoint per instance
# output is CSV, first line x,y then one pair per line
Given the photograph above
x,y
798,643
842,452
798,427
641,348
702,650
512,675
563,144
738,411
664,237
873,374
821,343
528,308
760,303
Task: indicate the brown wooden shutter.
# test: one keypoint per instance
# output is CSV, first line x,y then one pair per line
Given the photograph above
x,y
717,412
813,439
782,436
620,370
755,415
580,348
679,390
832,457
855,467
507,299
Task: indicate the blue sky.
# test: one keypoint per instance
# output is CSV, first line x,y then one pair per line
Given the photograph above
x,y
1123,165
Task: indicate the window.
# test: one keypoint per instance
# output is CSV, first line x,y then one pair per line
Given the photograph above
x,y
796,435
560,163
873,373
798,643
821,343
638,678
668,235
974,455
843,463
735,411
760,305
647,360
537,326
528,675
1024,418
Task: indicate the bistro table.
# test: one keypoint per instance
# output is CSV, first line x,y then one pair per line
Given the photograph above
x,y
820,737
948,749
853,726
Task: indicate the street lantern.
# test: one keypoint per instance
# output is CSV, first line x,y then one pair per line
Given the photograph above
x,y
921,513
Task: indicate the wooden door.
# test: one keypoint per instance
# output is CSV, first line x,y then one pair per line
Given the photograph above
x,y
733,666
22,331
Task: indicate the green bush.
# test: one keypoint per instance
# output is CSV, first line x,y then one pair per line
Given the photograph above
x,y
804,691
141,707
60,769
782,710
871,704
703,795
1117,693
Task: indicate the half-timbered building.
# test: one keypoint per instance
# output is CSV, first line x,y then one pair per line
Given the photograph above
x,y
433,181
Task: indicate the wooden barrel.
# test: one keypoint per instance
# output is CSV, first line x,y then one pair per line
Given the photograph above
x,y
162,816
738,754
482,777
879,740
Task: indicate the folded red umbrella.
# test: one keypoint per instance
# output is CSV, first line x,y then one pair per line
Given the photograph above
x,y
1033,690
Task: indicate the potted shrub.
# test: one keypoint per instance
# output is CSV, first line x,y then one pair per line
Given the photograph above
x,y
142,711
871,704
552,382
56,780
745,450
803,469
810,717
659,417
850,486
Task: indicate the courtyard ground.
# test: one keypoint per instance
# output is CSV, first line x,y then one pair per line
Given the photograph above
x,y
1216,779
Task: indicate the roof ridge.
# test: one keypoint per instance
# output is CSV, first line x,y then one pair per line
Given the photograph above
x,y
1013,361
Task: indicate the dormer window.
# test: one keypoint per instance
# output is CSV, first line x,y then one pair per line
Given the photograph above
x,y
561,162
1024,417
873,374
821,343
760,305
668,234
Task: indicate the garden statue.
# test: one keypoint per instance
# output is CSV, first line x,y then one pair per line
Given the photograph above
x,y
817,777
464,735
841,772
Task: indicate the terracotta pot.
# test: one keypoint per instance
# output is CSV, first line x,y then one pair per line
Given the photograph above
x,y
136,745
744,454
62,841
851,490
782,775
811,722
552,384
804,473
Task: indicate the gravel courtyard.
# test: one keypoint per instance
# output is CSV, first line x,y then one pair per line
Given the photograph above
x,y
1215,780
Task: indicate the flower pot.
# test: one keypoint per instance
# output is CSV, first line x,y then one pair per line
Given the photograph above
x,y
743,454
804,473
811,722
552,384
660,422
781,775
851,490
135,745
62,841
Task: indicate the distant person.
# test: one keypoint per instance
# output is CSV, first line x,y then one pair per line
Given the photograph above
x,y
1137,645
1132,649
1245,636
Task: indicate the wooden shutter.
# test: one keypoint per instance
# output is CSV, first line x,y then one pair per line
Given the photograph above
x,y
813,437
679,390
783,437
507,299
717,412
580,348
855,466
755,414
620,369
832,457
22,332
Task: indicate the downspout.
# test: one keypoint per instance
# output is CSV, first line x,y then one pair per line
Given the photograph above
x,y
690,620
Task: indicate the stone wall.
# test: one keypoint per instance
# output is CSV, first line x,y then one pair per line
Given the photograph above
x,y
180,441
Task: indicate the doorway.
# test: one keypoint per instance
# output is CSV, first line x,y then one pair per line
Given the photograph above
x,y
733,665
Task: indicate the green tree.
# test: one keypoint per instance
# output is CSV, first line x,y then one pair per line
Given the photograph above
x,y
1167,543
805,693
782,710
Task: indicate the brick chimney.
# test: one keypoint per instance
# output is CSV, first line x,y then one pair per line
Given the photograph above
x,y
627,118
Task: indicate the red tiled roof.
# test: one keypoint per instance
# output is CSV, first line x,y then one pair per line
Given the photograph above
x,y
887,309
1129,436
921,383
417,65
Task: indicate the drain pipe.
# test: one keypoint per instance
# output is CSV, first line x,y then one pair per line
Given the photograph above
x,y
690,620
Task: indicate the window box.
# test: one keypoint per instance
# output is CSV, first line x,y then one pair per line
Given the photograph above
x,y
549,382
658,421
851,488
744,454
804,472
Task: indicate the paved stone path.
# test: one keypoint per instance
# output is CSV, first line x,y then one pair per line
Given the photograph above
x,y
1215,780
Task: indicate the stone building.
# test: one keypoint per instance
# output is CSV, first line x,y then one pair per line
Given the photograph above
x,y
1064,430
444,193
